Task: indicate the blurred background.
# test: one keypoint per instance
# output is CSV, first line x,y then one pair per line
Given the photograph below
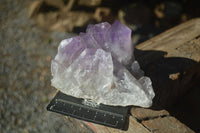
x,y
30,32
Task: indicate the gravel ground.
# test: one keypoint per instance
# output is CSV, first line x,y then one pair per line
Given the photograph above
x,y
25,90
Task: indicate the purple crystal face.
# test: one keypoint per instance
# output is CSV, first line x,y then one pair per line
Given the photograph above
x,y
92,66
118,38
115,39
98,31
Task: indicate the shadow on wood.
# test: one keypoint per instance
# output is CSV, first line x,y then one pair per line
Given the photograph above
x,y
173,78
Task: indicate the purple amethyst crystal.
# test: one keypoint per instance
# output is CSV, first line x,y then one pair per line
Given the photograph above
x,y
92,66
115,39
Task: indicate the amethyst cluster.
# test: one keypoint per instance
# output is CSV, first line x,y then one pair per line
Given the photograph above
x,y
93,66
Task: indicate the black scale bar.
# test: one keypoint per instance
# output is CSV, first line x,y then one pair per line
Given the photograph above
x,y
111,116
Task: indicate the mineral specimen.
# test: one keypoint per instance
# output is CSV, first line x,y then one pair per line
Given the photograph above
x,y
93,66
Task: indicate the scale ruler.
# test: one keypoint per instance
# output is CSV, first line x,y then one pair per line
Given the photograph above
x,y
112,116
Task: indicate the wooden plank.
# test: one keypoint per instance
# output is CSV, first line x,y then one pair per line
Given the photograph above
x,y
174,37
166,125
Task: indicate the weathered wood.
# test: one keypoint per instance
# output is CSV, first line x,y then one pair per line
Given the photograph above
x,y
143,114
174,41
166,125
170,59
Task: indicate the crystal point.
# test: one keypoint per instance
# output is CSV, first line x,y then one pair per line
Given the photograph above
x,y
93,66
